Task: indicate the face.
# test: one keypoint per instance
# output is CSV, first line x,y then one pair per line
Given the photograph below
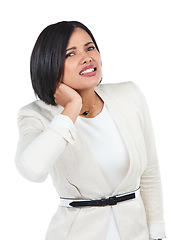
x,y
82,67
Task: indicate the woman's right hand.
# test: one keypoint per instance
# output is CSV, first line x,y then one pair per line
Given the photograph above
x,y
65,94
69,99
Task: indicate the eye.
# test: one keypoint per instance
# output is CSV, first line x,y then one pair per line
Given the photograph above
x,y
70,54
90,48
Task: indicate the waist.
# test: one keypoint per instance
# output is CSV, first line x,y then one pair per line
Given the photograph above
x,y
113,200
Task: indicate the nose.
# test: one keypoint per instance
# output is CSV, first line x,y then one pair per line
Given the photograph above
x,y
86,58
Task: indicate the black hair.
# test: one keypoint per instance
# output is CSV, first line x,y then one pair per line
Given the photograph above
x,y
48,56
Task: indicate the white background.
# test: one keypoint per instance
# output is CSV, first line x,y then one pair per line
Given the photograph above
x,y
134,38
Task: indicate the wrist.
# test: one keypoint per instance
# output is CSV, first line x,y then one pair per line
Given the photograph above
x,y
72,110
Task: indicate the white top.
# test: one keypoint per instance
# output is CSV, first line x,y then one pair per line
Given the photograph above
x,y
106,143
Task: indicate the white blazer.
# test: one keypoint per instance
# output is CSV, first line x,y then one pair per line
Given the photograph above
x,y
45,148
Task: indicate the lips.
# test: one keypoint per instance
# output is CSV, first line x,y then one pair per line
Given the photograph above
x,y
88,70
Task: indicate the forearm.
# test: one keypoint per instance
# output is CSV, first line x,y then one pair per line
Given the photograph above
x,y
72,110
38,150
39,156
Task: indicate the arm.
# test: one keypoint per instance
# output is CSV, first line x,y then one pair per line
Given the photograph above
x,y
38,148
151,190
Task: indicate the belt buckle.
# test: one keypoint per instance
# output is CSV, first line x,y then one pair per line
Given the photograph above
x,y
112,200
108,201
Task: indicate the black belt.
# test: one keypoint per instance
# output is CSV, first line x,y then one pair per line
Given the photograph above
x,y
69,202
103,202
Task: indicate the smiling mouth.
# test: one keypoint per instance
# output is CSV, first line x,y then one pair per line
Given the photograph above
x,y
88,71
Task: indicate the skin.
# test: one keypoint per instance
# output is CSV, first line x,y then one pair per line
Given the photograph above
x,y
76,92
81,52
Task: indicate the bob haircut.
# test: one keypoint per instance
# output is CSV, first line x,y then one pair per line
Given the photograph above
x,y
48,57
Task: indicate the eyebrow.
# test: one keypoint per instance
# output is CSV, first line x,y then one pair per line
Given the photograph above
x,y
75,47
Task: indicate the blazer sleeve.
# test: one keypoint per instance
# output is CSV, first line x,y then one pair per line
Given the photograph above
x,y
38,147
151,189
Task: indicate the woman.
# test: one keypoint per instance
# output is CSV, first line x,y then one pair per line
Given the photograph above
x,y
95,140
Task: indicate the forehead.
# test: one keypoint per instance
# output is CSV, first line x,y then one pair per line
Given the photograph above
x,y
79,37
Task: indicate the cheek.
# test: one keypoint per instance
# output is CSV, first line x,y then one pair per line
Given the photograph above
x,y
100,65
69,73
69,68
98,59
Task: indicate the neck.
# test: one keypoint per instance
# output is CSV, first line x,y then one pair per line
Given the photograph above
x,y
88,99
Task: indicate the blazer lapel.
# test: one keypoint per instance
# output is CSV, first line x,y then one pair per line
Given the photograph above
x,y
128,126
124,124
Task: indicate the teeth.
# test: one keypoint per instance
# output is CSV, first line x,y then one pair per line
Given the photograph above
x,y
87,71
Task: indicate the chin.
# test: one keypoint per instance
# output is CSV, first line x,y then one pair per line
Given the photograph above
x,y
86,83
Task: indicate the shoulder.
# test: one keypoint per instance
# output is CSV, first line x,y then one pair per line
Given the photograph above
x,y
121,87
123,91
116,86
39,109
